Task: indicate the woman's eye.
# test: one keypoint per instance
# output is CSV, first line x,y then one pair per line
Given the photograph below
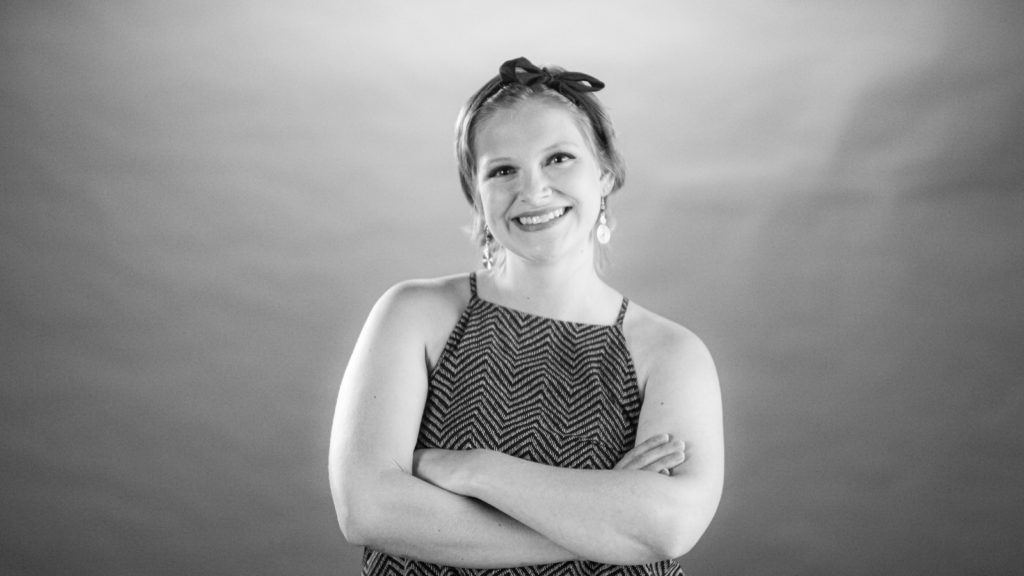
x,y
560,157
501,171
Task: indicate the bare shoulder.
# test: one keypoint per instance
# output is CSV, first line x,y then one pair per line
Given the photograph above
x,y
664,349
426,308
433,298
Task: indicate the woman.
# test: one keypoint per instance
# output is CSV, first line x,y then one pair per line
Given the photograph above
x,y
492,420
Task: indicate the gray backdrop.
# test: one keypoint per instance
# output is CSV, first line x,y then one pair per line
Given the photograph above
x,y
201,200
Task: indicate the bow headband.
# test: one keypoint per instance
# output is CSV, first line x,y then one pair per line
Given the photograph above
x,y
569,84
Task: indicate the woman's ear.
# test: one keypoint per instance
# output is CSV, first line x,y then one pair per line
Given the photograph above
x,y
607,182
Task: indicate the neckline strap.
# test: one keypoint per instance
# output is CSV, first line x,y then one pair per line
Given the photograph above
x,y
622,312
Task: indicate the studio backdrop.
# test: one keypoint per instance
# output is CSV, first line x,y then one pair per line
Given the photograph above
x,y
201,201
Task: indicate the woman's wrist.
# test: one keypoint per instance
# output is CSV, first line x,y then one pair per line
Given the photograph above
x,y
457,471
474,471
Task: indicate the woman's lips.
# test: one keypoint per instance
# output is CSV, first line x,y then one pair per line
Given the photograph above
x,y
539,219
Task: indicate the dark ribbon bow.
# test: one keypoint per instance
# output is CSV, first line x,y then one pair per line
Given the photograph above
x,y
569,84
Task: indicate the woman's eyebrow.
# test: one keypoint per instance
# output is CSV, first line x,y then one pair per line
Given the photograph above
x,y
561,144
485,161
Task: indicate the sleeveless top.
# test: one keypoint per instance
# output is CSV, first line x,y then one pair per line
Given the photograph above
x,y
549,391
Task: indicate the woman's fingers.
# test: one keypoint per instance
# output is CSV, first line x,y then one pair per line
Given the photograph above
x,y
667,462
659,452
636,455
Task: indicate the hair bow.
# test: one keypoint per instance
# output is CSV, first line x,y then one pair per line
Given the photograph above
x,y
570,84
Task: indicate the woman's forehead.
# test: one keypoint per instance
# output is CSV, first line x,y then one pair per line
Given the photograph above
x,y
527,124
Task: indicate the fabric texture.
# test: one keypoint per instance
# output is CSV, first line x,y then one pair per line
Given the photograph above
x,y
549,391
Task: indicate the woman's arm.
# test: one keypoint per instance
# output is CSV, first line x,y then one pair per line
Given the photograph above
x,y
615,516
378,501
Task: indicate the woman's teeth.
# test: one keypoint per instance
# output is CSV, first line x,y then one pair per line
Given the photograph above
x,y
540,218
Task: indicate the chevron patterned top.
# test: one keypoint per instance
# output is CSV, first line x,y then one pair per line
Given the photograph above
x,y
549,391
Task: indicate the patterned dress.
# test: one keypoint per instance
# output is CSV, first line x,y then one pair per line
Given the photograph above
x,y
549,391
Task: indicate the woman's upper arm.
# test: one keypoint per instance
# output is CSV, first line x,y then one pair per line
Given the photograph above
x,y
682,398
380,402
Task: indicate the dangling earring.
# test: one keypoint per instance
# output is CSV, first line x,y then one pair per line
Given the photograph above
x,y
604,233
488,254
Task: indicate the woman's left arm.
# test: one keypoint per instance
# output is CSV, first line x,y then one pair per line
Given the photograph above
x,y
615,516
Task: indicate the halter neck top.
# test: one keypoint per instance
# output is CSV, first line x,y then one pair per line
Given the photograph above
x,y
550,391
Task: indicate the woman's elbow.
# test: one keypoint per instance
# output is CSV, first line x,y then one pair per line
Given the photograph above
x,y
353,518
658,545
670,542
677,531
675,545
353,525
358,522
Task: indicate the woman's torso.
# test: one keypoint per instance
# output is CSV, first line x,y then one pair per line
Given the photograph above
x,y
554,392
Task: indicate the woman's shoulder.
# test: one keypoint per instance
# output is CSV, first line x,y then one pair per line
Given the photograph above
x,y
659,344
425,306
430,296
653,330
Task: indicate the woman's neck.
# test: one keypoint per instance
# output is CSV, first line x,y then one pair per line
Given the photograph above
x,y
565,290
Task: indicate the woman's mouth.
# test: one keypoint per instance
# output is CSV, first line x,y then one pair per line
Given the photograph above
x,y
534,220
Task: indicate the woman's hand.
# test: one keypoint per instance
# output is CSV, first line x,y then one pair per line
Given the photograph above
x,y
659,453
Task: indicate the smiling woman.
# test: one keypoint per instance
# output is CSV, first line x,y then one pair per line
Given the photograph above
x,y
519,81
527,415
540,184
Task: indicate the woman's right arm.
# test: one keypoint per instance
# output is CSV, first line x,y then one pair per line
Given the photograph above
x,y
380,504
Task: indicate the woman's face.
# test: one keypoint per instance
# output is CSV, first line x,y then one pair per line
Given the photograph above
x,y
540,184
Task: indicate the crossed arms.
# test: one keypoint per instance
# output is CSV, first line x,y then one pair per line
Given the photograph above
x,y
484,509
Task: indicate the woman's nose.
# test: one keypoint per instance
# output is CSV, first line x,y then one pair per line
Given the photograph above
x,y
536,186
